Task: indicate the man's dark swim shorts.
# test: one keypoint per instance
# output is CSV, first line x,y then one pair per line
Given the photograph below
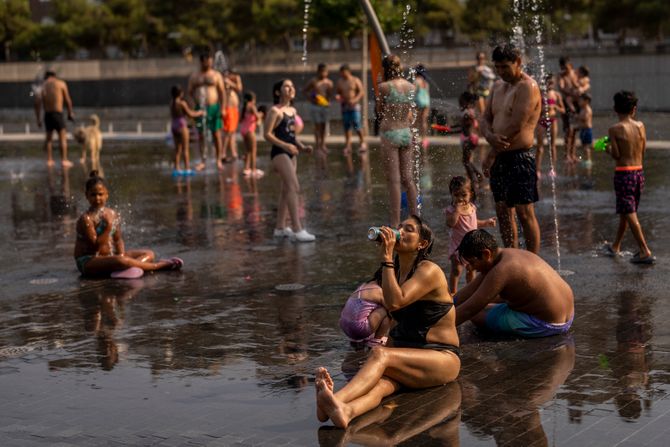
x,y
54,121
514,178
628,185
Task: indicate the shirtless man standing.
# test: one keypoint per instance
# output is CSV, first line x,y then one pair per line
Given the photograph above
x,y
349,94
53,94
207,90
319,90
516,292
508,125
233,84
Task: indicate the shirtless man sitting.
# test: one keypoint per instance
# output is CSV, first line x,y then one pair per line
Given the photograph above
x,y
516,292
54,93
207,90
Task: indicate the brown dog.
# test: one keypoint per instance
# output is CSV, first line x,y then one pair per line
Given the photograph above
x,y
90,139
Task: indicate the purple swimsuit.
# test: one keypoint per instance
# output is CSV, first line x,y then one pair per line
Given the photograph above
x,y
354,317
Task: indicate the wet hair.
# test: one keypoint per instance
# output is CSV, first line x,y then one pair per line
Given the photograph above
x,y
506,53
425,234
247,98
392,67
49,74
420,70
624,102
467,99
94,179
205,54
475,242
176,92
586,97
321,67
584,70
262,109
563,61
377,277
458,183
276,90
345,67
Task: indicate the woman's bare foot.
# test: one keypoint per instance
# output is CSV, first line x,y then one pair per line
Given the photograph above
x,y
200,166
328,403
66,163
322,375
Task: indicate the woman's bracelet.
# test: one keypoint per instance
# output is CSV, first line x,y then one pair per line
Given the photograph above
x,y
390,265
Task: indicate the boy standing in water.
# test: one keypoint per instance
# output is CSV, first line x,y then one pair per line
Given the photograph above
x,y
319,90
585,125
628,141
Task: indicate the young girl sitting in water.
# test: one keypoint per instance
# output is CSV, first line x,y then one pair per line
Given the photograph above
x,y
179,111
99,249
250,118
461,218
364,318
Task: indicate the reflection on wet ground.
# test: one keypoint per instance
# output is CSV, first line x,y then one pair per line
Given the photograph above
x,y
223,352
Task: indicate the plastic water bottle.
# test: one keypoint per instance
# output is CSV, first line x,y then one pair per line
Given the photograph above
x,y
601,144
374,234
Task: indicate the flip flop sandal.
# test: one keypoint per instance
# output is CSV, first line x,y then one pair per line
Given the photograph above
x,y
177,263
609,251
643,261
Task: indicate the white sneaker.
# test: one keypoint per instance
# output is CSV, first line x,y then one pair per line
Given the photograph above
x,y
303,236
283,232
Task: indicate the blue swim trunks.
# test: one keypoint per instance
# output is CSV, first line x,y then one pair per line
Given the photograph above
x,y
81,262
351,118
501,319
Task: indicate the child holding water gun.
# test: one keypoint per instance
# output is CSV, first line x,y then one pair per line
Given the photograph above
x,y
99,249
469,138
461,218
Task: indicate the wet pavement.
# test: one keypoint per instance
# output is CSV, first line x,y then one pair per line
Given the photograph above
x,y
223,352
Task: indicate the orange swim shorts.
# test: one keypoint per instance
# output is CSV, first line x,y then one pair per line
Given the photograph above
x,y
231,120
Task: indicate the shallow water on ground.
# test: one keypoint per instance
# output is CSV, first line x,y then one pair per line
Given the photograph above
x,y
223,352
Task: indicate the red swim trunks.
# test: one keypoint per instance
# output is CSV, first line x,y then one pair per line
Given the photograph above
x,y
231,120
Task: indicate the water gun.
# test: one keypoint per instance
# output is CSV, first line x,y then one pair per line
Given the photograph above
x,y
321,100
440,127
601,144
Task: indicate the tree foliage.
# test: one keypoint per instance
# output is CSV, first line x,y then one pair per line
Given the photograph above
x,y
140,27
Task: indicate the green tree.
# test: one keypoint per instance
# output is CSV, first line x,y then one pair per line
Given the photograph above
x,y
487,21
442,15
16,26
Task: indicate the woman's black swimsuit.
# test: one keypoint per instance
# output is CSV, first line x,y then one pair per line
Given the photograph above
x,y
413,323
285,131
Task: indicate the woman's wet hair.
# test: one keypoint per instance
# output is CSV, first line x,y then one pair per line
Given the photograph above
x,y
425,234
458,183
624,102
475,242
93,179
276,90
176,91
392,67
506,53
584,70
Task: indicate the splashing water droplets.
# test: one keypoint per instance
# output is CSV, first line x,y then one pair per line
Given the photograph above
x,y
305,28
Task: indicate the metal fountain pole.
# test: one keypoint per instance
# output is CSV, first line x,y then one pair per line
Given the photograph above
x,y
376,27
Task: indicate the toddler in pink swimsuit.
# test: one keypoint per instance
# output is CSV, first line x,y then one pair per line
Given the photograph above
x,y
461,218
364,318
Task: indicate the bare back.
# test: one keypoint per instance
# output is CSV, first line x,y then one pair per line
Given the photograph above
x,y
513,111
54,94
528,284
629,141
395,103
